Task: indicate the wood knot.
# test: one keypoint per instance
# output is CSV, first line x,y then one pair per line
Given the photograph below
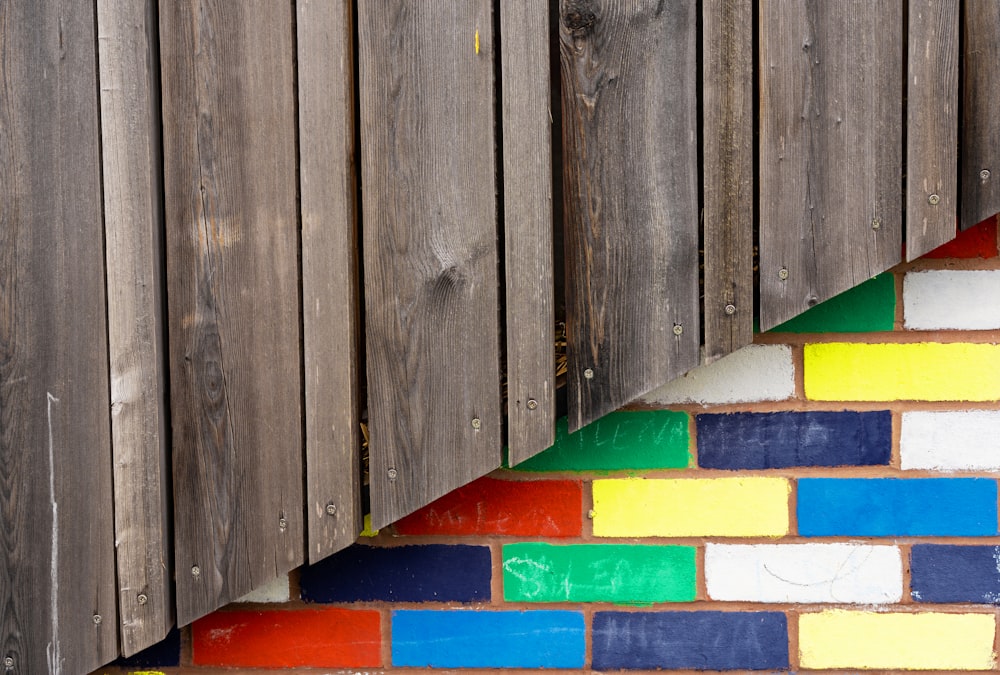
x,y
579,17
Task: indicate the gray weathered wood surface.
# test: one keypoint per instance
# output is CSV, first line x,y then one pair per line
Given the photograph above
x,y
232,269
831,121
727,175
527,189
130,131
630,152
980,136
931,125
429,211
57,560
329,274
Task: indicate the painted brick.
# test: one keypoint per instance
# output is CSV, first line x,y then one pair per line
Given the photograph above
x,y
694,640
164,654
598,573
878,507
940,573
488,639
727,507
952,299
951,441
928,641
754,373
649,439
321,638
868,307
433,573
539,508
785,439
830,573
274,591
889,372
976,242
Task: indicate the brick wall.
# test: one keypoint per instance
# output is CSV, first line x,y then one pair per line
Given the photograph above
x,y
825,499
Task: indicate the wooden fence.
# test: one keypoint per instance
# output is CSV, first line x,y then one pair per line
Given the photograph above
x,y
229,235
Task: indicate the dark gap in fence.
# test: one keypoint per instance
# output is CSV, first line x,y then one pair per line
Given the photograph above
x,y
500,222
960,116
558,210
755,155
904,123
699,106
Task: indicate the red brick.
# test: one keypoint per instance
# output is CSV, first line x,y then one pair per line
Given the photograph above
x,y
321,638
979,241
538,508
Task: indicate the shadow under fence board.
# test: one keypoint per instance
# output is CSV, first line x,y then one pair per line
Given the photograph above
x,y
980,148
133,227
232,273
831,144
727,113
430,247
629,74
57,561
329,274
527,188
931,125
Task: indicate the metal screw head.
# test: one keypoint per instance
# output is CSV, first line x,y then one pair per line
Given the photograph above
x,y
730,309
678,329
391,473
477,423
984,174
934,199
331,509
282,524
876,223
588,374
98,619
195,571
783,273
532,404
142,598
591,513
8,662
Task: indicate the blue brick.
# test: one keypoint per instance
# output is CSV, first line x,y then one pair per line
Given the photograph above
x,y
690,640
401,574
955,573
164,654
784,439
488,639
880,507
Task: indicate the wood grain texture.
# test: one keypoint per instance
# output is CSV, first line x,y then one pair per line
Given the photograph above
x,y
980,144
830,149
429,210
133,227
630,161
931,125
329,274
527,189
727,175
232,273
57,559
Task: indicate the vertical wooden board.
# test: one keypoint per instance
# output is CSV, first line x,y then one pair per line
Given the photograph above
x,y
727,171
57,565
629,76
931,125
232,273
527,188
329,273
980,148
429,211
133,226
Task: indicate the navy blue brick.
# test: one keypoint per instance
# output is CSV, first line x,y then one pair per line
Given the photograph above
x,y
432,573
783,439
164,654
693,640
955,573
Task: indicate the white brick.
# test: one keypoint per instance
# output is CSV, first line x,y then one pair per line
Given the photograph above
x,y
958,299
274,591
754,373
830,573
951,441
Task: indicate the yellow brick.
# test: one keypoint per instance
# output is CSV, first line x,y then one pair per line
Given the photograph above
x,y
891,372
721,507
928,641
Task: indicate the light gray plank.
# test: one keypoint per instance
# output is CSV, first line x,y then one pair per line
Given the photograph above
x,y
980,149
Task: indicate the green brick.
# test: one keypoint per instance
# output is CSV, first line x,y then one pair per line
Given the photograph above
x,y
866,308
621,441
621,574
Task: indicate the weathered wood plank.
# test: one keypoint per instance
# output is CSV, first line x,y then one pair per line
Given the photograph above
x,y
727,174
931,125
329,273
830,149
980,148
57,564
630,149
130,114
527,188
429,209
232,246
